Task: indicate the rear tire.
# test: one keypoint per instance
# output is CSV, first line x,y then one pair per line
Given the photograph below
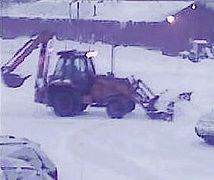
x,y
66,104
130,106
116,108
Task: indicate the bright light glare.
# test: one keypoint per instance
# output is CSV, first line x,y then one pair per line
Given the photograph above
x,y
90,54
170,19
193,6
200,41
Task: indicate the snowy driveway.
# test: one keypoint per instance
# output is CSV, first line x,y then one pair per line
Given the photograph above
x,y
94,147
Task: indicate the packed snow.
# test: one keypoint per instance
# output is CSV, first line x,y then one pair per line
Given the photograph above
x,y
148,11
91,146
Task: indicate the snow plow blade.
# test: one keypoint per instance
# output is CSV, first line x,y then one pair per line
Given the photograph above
x,y
13,80
144,96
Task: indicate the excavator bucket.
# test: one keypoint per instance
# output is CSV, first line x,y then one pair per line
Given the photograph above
x,y
13,80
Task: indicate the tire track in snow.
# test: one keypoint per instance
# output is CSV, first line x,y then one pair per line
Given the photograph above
x,y
90,149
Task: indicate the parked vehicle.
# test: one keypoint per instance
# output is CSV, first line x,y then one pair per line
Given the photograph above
x,y
205,128
200,50
23,159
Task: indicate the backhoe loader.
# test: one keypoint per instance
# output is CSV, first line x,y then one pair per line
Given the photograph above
x,y
74,84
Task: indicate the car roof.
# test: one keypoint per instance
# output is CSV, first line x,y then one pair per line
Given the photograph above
x,y
6,162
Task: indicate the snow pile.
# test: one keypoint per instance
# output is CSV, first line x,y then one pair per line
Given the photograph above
x,y
148,11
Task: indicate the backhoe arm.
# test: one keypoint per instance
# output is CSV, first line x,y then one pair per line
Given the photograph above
x,y
14,80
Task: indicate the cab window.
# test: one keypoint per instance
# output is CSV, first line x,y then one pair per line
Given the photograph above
x,y
59,66
79,64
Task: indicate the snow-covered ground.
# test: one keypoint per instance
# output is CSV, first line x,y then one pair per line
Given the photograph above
x,y
92,146
148,11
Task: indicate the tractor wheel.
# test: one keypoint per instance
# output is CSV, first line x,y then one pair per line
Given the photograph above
x,y
116,108
66,104
130,106
192,57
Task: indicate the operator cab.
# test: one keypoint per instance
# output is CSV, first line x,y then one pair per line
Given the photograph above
x,y
76,67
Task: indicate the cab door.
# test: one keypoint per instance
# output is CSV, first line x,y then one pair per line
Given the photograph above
x,y
81,75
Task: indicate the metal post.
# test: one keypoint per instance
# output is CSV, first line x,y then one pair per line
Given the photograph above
x,y
95,10
78,10
112,59
70,9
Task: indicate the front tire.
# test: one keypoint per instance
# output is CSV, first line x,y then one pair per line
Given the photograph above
x,y
130,106
116,108
192,57
65,104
